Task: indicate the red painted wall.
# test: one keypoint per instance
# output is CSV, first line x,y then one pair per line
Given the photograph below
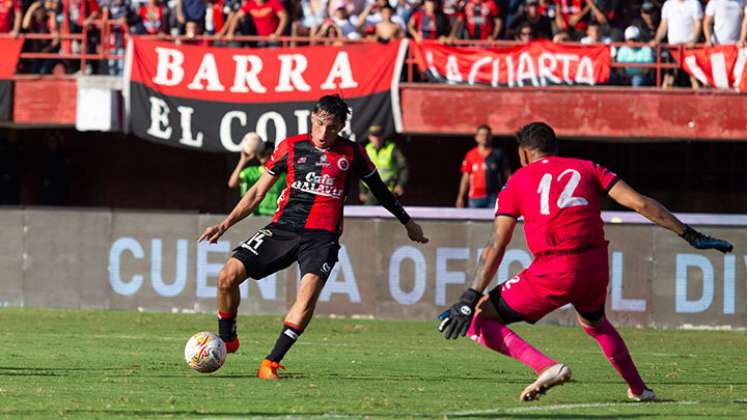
x,y
44,101
599,112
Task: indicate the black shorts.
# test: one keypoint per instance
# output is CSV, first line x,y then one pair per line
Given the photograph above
x,y
272,249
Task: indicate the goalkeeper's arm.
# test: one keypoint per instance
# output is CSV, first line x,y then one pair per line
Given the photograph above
x,y
654,211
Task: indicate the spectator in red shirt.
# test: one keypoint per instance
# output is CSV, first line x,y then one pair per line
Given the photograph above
x,y
269,16
10,17
481,18
570,15
151,18
428,22
484,172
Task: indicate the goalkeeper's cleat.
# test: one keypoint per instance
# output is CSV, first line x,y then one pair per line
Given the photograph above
x,y
556,374
646,396
269,370
232,345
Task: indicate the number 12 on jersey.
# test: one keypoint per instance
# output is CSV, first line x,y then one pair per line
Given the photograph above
x,y
566,198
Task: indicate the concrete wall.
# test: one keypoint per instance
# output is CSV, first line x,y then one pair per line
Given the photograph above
x,y
120,259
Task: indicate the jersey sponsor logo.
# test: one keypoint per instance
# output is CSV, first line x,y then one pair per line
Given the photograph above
x,y
343,164
301,160
323,161
323,185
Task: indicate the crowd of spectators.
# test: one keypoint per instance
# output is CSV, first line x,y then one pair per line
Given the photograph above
x,y
587,21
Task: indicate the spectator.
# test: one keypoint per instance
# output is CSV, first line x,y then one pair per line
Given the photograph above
x,y
311,16
481,19
79,15
152,18
571,15
389,161
373,15
269,17
41,18
116,13
224,12
722,21
647,22
560,37
743,32
10,17
428,22
539,24
594,35
387,29
524,33
190,14
681,24
245,175
341,25
638,54
602,12
484,171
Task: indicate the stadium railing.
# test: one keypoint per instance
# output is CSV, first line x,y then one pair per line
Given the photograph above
x,y
105,51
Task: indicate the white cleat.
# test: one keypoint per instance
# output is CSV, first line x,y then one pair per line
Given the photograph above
x,y
646,396
557,374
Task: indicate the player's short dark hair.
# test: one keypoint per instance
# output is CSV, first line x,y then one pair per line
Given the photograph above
x,y
538,136
333,105
483,127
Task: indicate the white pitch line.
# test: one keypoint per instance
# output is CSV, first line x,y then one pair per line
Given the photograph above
x,y
553,407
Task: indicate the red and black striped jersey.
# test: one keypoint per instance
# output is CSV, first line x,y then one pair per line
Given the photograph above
x,y
317,181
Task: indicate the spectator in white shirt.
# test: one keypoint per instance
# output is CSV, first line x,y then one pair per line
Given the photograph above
x,y
722,21
681,23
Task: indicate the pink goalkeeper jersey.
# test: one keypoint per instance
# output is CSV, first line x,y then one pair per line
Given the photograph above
x,y
559,200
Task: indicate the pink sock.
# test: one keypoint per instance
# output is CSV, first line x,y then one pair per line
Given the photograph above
x,y
617,353
496,336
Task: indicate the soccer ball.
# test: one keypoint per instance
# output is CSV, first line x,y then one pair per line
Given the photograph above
x,y
205,352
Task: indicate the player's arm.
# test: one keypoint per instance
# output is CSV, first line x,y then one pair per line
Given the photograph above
x,y
455,320
244,207
654,211
390,202
463,187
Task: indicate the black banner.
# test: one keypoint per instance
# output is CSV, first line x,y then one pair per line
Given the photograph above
x,y
208,98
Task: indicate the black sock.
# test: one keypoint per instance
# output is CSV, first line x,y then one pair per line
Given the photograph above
x,y
287,337
226,326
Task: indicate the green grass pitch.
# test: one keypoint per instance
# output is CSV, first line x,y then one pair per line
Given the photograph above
x,y
103,364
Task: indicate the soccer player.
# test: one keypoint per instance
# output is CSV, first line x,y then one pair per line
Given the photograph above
x,y
319,167
559,201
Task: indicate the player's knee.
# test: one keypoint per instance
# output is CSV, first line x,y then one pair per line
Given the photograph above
x,y
228,279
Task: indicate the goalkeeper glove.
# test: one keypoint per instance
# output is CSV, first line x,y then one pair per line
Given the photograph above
x,y
455,320
700,241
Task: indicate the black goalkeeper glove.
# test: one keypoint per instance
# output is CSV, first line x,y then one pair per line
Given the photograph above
x,y
700,241
455,320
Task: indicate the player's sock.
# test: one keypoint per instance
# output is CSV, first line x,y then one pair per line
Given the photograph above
x,y
227,325
496,336
617,353
287,338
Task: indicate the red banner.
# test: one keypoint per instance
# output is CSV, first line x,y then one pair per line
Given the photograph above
x,y
10,50
539,63
721,66
207,98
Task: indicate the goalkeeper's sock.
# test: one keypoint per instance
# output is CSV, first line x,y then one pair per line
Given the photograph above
x,y
496,336
288,336
617,353
227,325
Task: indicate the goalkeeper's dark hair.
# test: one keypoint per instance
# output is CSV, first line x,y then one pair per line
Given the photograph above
x,y
538,136
333,105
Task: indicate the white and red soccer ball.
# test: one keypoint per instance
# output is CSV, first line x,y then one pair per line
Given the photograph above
x,y
205,352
